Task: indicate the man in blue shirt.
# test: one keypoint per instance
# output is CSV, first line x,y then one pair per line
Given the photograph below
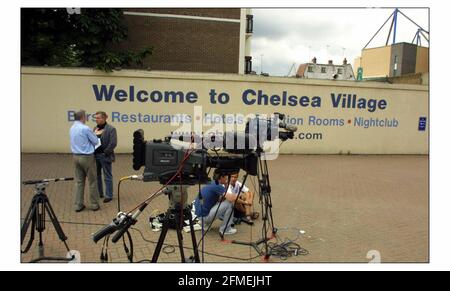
x,y
213,203
82,143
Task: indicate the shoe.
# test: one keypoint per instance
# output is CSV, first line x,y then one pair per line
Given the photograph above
x,y
96,208
230,231
247,220
102,196
107,199
81,209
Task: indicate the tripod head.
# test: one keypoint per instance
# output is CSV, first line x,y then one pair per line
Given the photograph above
x,y
46,181
39,185
177,195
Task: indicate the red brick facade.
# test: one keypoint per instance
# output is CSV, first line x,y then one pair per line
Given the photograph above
x,y
186,44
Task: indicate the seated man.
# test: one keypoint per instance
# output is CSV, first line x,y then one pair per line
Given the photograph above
x,y
245,201
213,203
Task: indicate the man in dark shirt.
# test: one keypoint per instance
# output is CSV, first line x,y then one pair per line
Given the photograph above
x,y
213,202
104,154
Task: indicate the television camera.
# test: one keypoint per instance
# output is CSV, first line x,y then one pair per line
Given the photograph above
x,y
176,168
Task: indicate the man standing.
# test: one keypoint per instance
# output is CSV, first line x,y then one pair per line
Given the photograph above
x,y
104,154
82,143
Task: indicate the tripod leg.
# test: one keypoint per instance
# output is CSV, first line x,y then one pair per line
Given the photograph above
x,y
28,218
271,214
194,240
56,224
264,187
33,224
161,239
54,220
180,237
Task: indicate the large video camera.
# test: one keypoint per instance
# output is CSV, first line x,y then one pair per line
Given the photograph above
x,y
176,167
162,159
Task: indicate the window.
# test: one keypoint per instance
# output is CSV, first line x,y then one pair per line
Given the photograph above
x,y
395,66
310,69
248,65
340,71
323,70
249,23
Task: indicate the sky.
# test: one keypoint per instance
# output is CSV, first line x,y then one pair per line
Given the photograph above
x,y
283,38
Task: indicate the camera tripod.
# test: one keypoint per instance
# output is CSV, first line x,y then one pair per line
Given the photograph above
x,y
40,206
177,212
265,200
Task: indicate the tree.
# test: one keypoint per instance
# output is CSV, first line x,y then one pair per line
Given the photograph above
x,y
54,37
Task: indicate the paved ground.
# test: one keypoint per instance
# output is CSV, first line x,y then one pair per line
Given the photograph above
x,y
347,206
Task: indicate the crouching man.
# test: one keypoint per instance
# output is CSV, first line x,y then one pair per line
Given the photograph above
x,y
212,202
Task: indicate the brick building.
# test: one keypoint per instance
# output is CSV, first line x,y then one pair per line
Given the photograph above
x,y
187,39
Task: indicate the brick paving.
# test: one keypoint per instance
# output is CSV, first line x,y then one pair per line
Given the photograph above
x,y
347,206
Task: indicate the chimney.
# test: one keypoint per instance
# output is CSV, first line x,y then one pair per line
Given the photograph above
x,y
330,62
345,61
314,60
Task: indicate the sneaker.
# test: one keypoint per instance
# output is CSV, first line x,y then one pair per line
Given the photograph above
x,y
107,199
230,231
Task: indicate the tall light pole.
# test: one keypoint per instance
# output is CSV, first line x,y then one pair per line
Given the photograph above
x,y
261,68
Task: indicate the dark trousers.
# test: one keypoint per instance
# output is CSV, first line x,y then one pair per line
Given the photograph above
x,y
104,165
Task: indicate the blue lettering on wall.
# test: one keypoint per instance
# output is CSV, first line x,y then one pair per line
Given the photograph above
x,y
115,116
354,102
245,97
248,97
422,123
70,115
103,93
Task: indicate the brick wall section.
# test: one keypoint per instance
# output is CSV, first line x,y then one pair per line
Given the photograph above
x,y
203,12
409,59
186,44
406,59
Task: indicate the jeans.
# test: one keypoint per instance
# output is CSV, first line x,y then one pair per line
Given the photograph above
x,y
225,210
105,164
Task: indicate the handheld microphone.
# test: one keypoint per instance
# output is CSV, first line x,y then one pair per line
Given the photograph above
x,y
110,228
128,221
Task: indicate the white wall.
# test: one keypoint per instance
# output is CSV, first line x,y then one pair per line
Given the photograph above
x,y
48,94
